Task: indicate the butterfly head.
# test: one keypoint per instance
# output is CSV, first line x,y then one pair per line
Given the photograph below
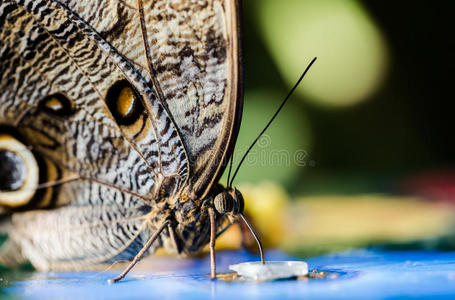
x,y
229,202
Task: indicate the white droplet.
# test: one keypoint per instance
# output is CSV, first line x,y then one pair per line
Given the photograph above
x,y
272,270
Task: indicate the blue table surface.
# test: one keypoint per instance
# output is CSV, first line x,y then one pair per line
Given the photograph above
x,y
363,274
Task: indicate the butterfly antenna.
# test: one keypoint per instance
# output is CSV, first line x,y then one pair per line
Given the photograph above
x,y
271,120
230,169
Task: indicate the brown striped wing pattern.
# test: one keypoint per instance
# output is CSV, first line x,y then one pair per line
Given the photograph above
x,y
118,177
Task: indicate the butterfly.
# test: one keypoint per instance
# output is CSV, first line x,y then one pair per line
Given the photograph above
x,y
117,118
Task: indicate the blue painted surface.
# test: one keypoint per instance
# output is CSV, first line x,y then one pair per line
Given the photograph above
x,y
364,274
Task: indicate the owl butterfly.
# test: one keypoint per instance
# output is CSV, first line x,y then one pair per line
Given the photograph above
x,y
117,118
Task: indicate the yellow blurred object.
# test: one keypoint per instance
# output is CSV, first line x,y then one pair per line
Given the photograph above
x,y
328,223
265,205
335,222
230,239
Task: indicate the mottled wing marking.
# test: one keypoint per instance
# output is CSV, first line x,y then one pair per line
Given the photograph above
x,y
117,22
194,56
102,223
71,58
44,49
80,48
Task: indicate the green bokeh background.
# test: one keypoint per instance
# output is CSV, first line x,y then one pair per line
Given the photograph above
x,y
375,108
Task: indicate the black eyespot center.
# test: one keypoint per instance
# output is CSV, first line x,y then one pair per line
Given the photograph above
x,y
15,171
12,171
57,104
124,103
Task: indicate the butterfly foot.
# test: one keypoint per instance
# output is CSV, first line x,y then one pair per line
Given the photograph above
x,y
116,279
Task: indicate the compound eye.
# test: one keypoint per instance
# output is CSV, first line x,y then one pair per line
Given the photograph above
x,y
224,203
240,203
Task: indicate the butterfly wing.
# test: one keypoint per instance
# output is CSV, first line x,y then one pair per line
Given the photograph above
x,y
191,50
124,170
183,59
101,225
199,77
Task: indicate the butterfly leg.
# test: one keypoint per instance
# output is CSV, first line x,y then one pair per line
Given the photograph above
x,y
177,246
142,252
212,243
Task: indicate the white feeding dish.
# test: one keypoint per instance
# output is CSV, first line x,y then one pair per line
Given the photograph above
x,y
272,270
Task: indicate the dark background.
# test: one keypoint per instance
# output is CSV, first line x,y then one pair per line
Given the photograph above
x,y
405,128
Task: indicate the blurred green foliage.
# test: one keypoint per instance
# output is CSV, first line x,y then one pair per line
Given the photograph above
x,y
397,123
282,152
351,49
